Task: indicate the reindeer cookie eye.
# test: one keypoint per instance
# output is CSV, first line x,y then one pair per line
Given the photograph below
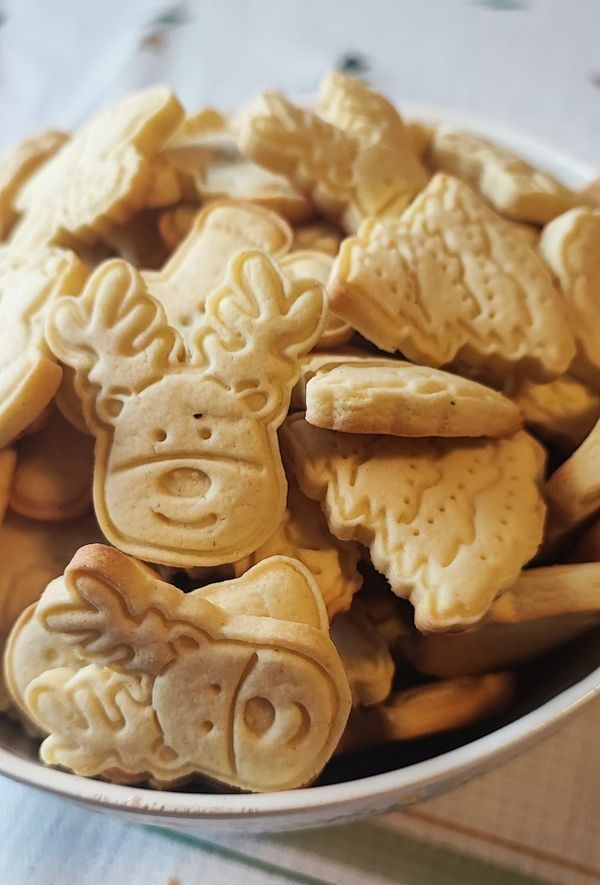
x,y
159,435
204,432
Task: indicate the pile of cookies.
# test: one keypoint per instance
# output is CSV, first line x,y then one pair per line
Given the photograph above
x,y
279,393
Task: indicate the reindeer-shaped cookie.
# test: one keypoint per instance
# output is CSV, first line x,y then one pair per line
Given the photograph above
x,y
188,470
154,682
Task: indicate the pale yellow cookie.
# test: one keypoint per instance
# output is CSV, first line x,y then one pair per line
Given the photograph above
x,y
53,478
166,188
216,170
32,554
187,465
451,281
372,120
429,709
102,176
571,246
320,236
17,165
68,403
561,412
403,400
365,655
310,264
573,491
545,608
531,233
591,193
168,684
198,265
449,523
29,375
175,224
322,361
303,535
346,180
421,134
508,183
197,124
8,462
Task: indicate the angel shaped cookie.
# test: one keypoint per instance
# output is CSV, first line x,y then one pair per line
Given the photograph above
x,y
166,684
448,522
187,464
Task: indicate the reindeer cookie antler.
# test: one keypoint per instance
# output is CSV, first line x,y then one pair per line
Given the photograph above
x,y
151,681
188,471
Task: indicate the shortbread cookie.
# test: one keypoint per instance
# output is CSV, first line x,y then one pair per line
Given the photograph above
x,y
53,479
573,491
8,462
216,170
323,361
508,183
561,412
448,522
421,134
313,265
571,246
365,655
195,125
303,535
347,180
591,193
166,188
172,684
529,231
29,376
372,120
32,554
17,165
320,236
451,281
198,266
187,466
403,400
175,224
545,608
102,176
429,709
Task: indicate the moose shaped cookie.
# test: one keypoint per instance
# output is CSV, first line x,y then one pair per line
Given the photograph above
x,y
154,682
187,464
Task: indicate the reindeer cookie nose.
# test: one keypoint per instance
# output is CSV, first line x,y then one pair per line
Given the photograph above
x,y
185,482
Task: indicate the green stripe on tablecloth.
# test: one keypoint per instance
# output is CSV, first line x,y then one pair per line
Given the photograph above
x,y
369,848
238,856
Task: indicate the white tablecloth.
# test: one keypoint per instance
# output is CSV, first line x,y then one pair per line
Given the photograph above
x,y
534,65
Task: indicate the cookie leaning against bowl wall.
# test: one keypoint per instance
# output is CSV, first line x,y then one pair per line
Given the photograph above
x,y
202,688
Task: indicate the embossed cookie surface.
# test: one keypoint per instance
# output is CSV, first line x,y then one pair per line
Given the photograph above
x,y
544,608
324,360
508,183
404,400
303,535
448,522
348,181
187,464
571,246
29,376
198,265
450,281
17,165
198,688
53,479
101,177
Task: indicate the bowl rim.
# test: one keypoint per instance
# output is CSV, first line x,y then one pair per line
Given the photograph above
x,y
378,790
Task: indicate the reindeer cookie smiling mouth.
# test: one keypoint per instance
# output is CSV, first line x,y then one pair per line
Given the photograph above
x,y
187,465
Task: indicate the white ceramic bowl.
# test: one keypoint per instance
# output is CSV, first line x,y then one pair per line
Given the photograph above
x,y
550,690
